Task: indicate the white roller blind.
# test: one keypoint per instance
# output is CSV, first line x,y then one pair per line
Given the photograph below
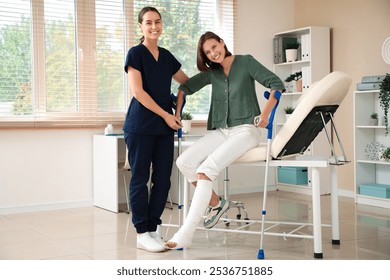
x,y
61,61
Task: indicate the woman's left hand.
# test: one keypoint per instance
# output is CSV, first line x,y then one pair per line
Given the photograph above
x,y
261,122
173,122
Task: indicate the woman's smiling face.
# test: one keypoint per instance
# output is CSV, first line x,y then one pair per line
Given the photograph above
x,y
151,25
214,50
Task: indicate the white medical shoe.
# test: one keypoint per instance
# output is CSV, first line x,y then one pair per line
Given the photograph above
x,y
157,235
148,243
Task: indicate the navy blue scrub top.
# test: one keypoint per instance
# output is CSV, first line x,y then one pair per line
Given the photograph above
x,y
156,80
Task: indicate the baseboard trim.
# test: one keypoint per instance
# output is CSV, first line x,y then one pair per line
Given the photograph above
x,y
249,189
45,207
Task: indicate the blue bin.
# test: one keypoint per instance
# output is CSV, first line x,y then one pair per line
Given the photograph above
x,y
376,190
292,175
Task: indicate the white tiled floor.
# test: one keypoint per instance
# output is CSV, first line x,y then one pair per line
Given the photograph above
x,y
93,233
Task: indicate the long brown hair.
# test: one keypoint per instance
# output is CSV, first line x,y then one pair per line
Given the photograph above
x,y
202,62
141,17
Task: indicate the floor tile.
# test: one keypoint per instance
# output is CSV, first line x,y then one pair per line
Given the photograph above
x,y
94,233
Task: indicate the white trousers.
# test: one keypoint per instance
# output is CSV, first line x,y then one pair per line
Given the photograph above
x,y
217,150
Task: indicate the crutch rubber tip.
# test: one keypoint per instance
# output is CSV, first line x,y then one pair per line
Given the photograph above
x,y
335,242
260,254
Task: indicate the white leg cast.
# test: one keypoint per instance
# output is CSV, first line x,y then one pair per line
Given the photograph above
x,y
199,203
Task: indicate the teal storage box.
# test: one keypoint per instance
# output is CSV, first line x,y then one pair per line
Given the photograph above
x,y
292,175
377,190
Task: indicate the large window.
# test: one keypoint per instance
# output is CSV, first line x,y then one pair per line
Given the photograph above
x,y
61,61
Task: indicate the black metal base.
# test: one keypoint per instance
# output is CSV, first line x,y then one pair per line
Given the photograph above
x,y
318,255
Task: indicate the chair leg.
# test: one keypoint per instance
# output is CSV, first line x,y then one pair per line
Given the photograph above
x,y
233,204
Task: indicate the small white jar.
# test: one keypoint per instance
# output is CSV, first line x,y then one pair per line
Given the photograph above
x,y
109,129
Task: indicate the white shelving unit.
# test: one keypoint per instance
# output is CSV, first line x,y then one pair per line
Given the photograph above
x,y
314,62
368,170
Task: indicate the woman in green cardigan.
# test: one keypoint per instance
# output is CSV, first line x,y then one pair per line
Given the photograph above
x,y
234,106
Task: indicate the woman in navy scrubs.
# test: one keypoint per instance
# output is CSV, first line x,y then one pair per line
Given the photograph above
x,y
149,127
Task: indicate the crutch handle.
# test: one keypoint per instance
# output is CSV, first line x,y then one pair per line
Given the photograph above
x,y
277,95
174,99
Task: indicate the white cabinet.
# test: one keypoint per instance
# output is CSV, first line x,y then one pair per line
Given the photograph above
x,y
109,153
368,141
313,61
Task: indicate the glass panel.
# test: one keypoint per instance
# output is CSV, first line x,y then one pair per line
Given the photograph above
x,y
60,56
15,58
109,55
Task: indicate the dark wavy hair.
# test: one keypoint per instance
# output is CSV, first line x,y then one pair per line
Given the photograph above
x,y
141,17
202,62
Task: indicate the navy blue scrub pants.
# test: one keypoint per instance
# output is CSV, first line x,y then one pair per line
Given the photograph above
x,y
149,153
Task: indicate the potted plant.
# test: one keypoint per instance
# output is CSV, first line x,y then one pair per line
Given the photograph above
x,y
289,85
186,120
384,99
386,154
292,51
374,119
288,110
297,77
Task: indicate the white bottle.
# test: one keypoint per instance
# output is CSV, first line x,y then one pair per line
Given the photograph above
x,y
109,129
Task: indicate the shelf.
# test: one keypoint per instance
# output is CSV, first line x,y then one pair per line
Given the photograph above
x,y
298,62
371,126
367,91
295,32
293,185
292,93
372,201
379,162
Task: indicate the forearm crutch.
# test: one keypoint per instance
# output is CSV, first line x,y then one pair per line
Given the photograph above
x,y
277,95
179,150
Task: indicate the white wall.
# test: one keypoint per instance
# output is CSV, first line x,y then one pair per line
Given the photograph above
x,y
45,169
258,21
